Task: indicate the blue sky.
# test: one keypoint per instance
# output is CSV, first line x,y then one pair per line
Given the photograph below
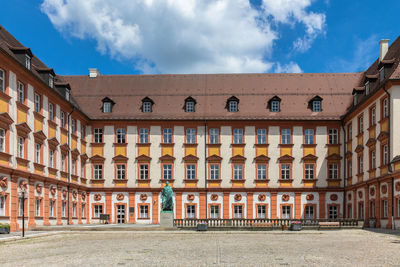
x,y
152,36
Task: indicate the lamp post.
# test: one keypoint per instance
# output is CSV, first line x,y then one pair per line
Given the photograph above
x,y
23,190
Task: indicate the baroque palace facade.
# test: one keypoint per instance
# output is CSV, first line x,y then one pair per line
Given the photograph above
x,y
231,145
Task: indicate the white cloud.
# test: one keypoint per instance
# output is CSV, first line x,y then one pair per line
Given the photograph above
x,y
291,67
186,36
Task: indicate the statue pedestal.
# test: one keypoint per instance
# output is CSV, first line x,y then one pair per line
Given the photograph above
x,y
167,219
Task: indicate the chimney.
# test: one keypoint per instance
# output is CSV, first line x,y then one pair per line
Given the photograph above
x,y
93,73
383,48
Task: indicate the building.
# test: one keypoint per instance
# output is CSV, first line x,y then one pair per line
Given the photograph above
x,y
317,145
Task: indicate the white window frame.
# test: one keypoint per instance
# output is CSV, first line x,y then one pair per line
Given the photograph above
x,y
106,107
190,211
233,106
73,210
286,212
21,147
385,108
333,136
97,171
147,107
2,205
98,135
51,81
51,208
144,212
214,171
309,212
309,171
63,209
238,211
237,171
190,136
121,171
261,171
317,107
333,212
333,169
167,171
214,212
189,107
51,158
73,126
2,140
37,103
51,111
20,201
385,209
238,136
144,171
121,136
63,159
286,136
21,92
83,210
373,159
28,60
367,87
167,135
385,155
285,171
373,116
38,206
214,136
190,171
37,152
261,212
98,210
144,135
261,136
381,74
275,106
2,81
309,136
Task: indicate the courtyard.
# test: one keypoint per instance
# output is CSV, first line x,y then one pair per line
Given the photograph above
x,y
186,248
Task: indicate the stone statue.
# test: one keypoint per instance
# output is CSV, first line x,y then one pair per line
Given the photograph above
x,y
166,197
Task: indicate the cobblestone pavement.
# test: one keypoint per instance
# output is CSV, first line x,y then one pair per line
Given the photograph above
x,y
184,248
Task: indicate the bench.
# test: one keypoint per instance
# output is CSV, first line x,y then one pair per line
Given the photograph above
x,y
329,225
263,224
105,218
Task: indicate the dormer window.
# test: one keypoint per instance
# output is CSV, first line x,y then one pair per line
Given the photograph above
x,y
107,105
189,104
315,104
274,104
367,88
51,81
67,94
381,74
28,62
233,104
147,105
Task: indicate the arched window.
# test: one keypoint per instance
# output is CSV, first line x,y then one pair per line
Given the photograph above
x,y
315,104
190,103
232,104
107,105
147,105
274,104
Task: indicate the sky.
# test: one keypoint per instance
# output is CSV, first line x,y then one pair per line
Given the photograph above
x,y
208,36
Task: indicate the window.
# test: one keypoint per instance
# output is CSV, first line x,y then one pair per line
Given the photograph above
x,y
189,106
38,204
20,206
67,94
121,171
28,62
261,136
63,208
190,171
238,211
309,171
214,212
51,209
98,171
82,131
333,212
261,171
309,136
190,136
98,135
2,81
316,106
373,159
237,171
309,212
214,172
63,158
2,140
381,74
21,146
51,81
373,115
349,132
261,212
214,136
167,171
2,205
367,87
83,169
360,164
51,111
385,155
349,169
285,171
107,107
144,135
190,211
333,171
360,210
286,136
37,103
73,166
232,106
121,136
333,136
83,210
360,124
385,112
372,207
286,214
144,211
98,209
144,171
385,208
21,93
167,135
147,107
73,126
37,153
275,106
73,210
62,119
238,136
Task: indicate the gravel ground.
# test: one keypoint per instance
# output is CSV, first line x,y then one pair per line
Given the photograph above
x,y
161,248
